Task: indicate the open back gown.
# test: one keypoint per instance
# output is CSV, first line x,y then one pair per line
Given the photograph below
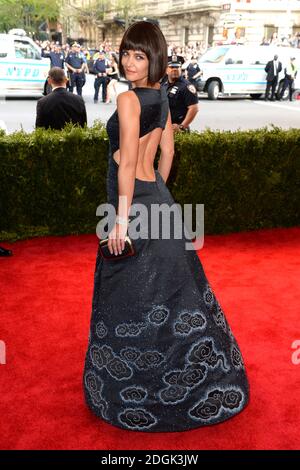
x,y
161,356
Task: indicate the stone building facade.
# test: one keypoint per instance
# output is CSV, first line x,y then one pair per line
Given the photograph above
x,y
183,22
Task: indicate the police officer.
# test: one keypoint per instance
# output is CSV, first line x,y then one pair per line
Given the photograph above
x,y
56,56
101,65
193,72
76,66
183,98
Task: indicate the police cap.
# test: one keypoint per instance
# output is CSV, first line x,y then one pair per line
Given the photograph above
x,y
175,61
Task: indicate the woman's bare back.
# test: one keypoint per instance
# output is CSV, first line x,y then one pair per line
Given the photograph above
x,y
148,145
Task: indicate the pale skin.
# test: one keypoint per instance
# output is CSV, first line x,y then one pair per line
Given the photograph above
x,y
136,155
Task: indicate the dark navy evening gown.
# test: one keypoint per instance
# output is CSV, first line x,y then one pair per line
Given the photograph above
x,y
161,356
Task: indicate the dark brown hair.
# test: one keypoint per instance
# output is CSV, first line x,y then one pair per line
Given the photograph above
x,y
148,38
57,75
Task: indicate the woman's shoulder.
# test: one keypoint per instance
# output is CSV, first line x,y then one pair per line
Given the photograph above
x,y
126,97
140,97
128,103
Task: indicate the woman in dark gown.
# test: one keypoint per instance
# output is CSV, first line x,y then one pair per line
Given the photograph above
x,y
161,356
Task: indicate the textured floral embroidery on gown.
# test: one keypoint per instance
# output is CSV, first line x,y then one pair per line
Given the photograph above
x,y
161,356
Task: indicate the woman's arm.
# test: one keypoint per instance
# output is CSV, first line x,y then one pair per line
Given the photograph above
x,y
129,120
167,149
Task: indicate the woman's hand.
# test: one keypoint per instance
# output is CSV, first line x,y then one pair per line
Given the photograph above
x,y
176,127
116,242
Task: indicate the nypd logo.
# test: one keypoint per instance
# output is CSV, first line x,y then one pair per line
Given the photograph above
x,y
192,89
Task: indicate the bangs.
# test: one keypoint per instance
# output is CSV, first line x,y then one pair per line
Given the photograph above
x,y
136,42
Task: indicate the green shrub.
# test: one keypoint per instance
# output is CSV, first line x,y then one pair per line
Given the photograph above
x,y
53,181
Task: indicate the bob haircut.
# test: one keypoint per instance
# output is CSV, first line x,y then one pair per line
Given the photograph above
x,y
148,38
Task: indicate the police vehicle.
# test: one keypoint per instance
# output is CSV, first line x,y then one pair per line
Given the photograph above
x,y
240,70
22,69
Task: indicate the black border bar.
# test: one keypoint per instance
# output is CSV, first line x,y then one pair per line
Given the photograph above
x,y
136,459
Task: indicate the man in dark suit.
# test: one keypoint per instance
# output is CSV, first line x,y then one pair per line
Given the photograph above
x,y
272,69
59,107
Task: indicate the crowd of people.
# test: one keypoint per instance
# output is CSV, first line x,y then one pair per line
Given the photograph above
x,y
291,40
103,62
195,49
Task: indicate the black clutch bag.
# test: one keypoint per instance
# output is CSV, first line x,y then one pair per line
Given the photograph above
x,y
105,253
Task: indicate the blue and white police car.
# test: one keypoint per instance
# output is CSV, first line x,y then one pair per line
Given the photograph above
x,y
22,69
240,70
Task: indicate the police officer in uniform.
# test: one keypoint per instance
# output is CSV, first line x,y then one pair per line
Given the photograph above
x,y
183,103
182,95
57,59
193,72
101,65
56,56
76,66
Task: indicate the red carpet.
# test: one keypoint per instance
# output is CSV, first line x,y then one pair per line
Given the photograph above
x,y
46,291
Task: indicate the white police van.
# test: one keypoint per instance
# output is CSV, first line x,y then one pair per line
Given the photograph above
x,y
22,69
240,70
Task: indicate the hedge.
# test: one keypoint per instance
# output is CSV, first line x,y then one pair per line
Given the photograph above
x,y
53,181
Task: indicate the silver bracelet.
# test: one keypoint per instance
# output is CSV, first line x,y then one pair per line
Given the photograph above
x,y
121,220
